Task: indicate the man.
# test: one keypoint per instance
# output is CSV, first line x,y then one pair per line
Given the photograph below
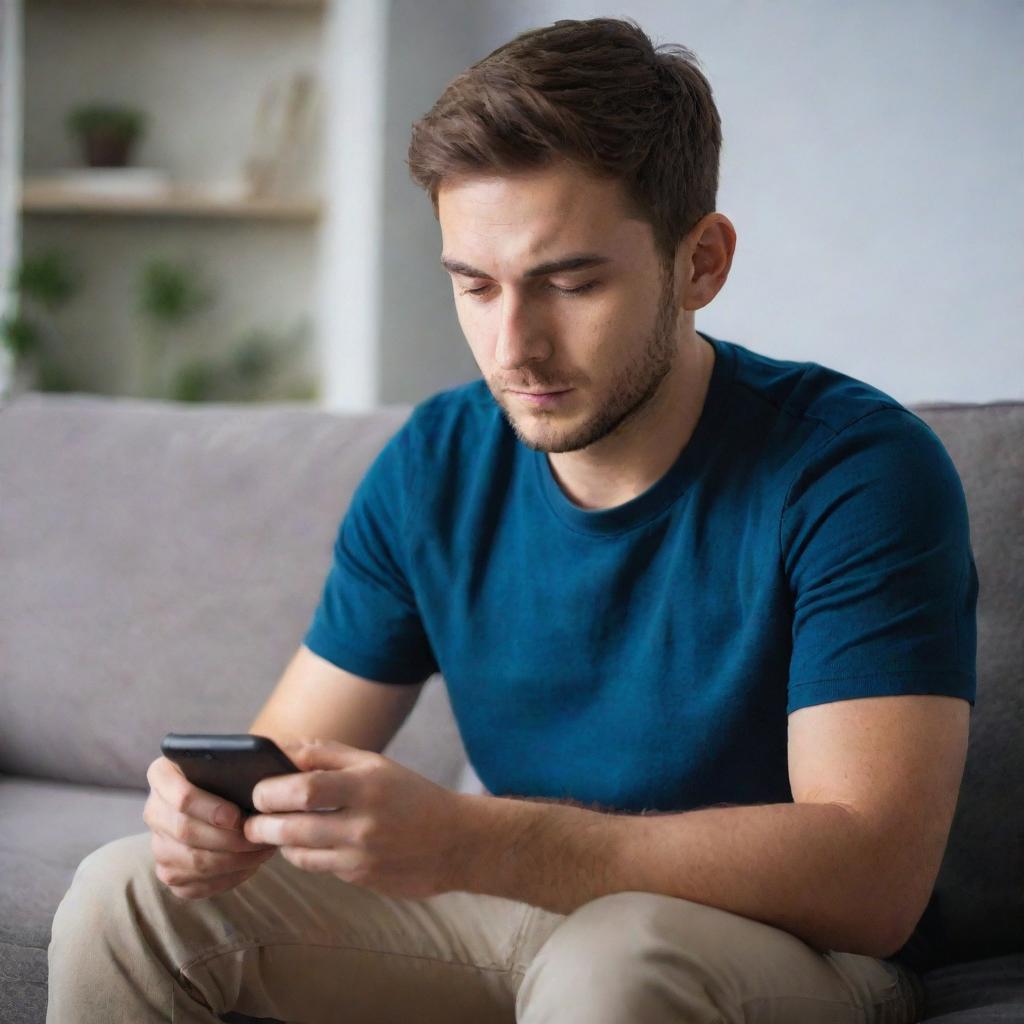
x,y
706,619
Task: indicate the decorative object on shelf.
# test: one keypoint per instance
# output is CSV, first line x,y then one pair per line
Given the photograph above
x,y
285,122
113,182
42,285
106,132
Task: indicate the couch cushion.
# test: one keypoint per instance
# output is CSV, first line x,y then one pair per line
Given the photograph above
x,y
161,564
980,992
46,828
981,883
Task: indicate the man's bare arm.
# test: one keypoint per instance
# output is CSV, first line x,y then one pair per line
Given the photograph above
x,y
314,699
847,866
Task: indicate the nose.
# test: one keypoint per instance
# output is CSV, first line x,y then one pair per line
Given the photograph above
x,y
521,336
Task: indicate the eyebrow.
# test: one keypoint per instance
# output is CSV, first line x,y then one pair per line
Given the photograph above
x,y
578,261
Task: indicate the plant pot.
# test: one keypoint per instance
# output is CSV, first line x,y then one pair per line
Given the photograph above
x,y
102,148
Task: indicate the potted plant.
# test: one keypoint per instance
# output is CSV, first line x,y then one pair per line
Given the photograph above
x,y
106,132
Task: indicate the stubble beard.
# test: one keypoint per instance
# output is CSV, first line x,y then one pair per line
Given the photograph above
x,y
629,393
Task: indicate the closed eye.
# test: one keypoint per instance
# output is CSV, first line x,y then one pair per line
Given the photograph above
x,y
578,290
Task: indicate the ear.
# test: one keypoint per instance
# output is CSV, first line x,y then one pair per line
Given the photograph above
x,y
704,260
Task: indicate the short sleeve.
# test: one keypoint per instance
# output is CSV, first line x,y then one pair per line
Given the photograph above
x,y
876,550
367,621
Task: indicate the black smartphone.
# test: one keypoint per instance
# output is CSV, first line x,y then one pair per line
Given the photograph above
x,y
228,765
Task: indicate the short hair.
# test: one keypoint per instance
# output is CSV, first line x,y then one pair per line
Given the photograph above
x,y
596,92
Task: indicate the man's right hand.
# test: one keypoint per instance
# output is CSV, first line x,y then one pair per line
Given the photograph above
x,y
196,855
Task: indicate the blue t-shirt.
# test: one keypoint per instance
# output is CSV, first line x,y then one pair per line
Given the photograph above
x,y
809,544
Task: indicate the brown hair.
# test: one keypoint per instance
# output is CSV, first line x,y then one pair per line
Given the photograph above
x,y
596,92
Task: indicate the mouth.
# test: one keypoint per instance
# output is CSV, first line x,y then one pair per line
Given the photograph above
x,y
542,398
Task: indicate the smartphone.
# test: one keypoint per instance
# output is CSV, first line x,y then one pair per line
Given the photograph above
x,y
228,765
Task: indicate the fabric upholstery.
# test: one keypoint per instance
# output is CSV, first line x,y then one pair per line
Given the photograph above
x,y
159,562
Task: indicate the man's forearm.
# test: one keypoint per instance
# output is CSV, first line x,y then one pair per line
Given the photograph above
x,y
806,868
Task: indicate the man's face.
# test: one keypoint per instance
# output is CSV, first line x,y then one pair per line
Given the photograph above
x,y
606,347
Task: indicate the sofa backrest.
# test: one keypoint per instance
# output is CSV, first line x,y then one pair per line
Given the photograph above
x,y
981,883
160,562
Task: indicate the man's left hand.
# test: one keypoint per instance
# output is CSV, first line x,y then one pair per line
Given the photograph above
x,y
362,817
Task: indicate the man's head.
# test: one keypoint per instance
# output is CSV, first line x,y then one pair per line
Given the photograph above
x,y
576,139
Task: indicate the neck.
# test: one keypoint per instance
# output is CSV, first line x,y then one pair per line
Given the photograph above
x,y
627,462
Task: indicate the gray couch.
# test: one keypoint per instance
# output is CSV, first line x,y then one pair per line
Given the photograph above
x,y
160,563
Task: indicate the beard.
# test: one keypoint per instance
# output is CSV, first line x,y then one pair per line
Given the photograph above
x,y
631,390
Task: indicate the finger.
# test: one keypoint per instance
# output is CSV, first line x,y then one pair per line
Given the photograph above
x,y
319,861
313,830
192,832
167,779
311,754
205,889
319,789
180,863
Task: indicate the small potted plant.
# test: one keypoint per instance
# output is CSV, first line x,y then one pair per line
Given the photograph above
x,y
106,132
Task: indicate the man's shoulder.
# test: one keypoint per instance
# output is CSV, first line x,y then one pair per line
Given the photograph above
x,y
808,396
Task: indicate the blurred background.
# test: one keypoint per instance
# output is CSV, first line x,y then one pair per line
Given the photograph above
x,y
207,200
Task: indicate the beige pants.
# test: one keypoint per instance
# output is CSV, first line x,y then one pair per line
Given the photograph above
x,y
292,945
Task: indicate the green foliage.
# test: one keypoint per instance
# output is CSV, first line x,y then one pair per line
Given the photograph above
x,y
19,334
195,381
46,278
106,118
255,355
172,292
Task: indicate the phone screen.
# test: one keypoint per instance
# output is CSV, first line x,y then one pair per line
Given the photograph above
x,y
227,765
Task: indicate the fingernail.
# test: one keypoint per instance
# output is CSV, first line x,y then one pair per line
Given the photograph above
x,y
225,816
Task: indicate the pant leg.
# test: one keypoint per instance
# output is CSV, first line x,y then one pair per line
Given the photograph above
x,y
636,956
286,944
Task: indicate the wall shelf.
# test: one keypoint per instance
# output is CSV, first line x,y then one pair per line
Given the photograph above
x,y
41,197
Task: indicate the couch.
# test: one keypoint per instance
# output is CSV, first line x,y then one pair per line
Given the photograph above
x,y
160,563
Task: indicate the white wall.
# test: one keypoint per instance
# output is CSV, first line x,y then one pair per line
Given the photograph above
x,y
872,165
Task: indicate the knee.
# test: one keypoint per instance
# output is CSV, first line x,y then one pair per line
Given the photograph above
x,y
604,932
103,882
616,948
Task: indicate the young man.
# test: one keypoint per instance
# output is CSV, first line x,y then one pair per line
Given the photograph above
x,y
706,619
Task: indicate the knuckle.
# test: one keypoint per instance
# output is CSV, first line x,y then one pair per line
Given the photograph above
x,y
202,862
364,833
313,789
169,875
181,828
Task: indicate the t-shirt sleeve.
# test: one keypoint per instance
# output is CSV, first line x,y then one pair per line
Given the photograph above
x,y
368,621
876,550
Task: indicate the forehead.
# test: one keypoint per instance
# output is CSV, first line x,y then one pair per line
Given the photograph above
x,y
514,219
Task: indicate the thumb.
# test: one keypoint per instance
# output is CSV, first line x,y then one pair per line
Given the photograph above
x,y
309,754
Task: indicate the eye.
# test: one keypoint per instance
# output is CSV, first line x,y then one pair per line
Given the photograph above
x,y
578,290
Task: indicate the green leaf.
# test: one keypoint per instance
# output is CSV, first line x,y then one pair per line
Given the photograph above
x,y
20,335
47,278
172,292
106,117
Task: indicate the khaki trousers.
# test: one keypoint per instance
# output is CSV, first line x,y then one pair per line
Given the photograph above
x,y
291,945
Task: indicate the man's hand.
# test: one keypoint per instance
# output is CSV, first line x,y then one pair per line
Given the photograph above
x,y
197,852
362,817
